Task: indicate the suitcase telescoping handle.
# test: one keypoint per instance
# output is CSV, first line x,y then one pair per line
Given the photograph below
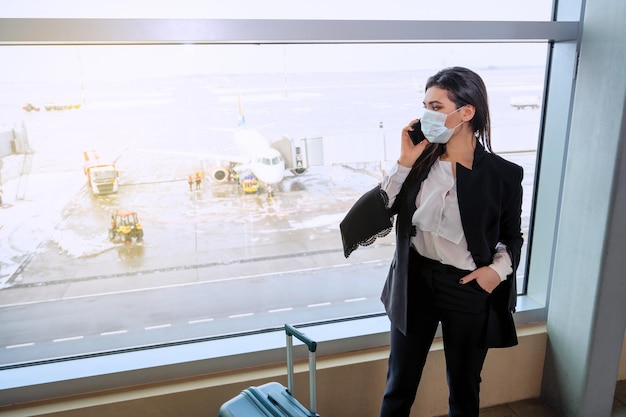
x,y
312,345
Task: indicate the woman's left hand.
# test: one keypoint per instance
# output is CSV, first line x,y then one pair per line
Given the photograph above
x,y
487,278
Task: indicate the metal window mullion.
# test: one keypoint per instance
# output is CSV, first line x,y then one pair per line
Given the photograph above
x,y
206,31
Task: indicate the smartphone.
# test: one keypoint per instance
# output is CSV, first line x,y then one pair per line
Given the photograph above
x,y
416,135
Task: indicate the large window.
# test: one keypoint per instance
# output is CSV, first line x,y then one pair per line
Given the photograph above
x,y
102,132
138,209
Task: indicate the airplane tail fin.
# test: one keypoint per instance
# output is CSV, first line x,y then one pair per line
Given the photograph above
x,y
241,122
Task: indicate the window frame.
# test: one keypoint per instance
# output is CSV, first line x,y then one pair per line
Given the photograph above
x,y
27,31
92,373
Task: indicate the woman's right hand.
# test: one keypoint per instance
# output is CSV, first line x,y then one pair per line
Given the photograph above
x,y
408,151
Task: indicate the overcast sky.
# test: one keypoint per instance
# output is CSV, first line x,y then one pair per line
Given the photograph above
x,y
50,63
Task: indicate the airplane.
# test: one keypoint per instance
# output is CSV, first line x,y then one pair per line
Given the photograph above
x,y
267,161
258,157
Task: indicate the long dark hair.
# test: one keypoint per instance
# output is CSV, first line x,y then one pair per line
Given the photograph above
x,y
464,86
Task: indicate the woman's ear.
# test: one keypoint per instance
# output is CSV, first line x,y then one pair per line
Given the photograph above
x,y
468,112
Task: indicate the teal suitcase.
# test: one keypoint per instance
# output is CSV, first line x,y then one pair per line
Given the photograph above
x,y
273,399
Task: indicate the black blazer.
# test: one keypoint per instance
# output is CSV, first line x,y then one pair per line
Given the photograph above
x,y
490,204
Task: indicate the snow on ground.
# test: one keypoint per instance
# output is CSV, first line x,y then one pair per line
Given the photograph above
x,y
26,223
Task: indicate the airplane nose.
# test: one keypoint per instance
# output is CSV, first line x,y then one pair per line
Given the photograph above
x,y
275,178
275,174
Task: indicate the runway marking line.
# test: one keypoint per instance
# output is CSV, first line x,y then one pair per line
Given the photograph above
x,y
199,321
68,339
236,316
319,304
160,326
352,300
21,345
113,332
280,310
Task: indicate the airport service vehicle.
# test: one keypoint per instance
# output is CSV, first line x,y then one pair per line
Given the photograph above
x,y
59,107
125,225
250,185
29,107
521,102
102,177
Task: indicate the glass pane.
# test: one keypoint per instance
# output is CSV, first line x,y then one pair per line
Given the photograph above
x,y
132,216
529,10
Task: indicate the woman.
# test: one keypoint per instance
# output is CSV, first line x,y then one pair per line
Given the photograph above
x,y
458,243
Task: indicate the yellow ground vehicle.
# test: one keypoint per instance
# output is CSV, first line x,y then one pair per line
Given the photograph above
x,y
125,225
250,185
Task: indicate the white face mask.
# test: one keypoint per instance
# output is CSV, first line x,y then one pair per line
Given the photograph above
x,y
434,126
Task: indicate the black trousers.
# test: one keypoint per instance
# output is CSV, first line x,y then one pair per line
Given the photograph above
x,y
435,295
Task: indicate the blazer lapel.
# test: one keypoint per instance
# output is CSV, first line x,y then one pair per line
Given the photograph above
x,y
472,197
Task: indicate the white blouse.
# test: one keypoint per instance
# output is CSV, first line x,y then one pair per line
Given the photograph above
x,y
438,219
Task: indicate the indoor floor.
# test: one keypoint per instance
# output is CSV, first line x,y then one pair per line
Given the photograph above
x,y
537,408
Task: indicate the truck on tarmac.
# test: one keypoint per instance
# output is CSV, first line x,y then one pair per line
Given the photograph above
x,y
102,177
125,225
